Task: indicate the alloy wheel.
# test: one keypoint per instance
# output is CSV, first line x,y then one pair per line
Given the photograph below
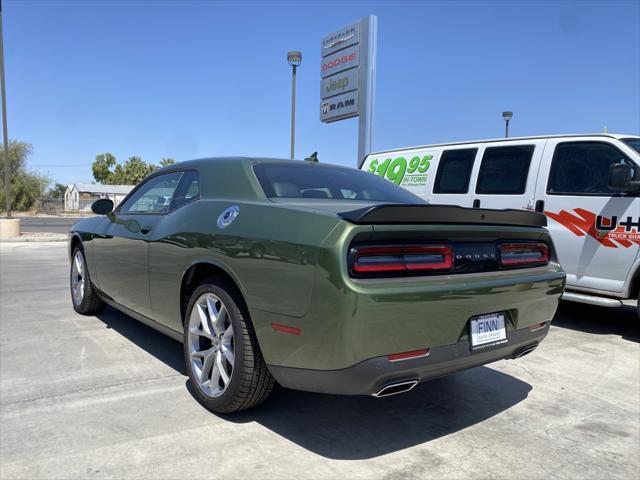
x,y
211,346
77,278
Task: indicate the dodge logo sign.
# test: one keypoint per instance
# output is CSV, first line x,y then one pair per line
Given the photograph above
x,y
339,61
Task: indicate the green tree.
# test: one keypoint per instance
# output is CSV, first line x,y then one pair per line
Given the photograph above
x,y
107,171
135,169
56,191
165,162
26,186
102,168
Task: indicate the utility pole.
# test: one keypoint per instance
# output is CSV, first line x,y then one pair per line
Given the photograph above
x,y
294,59
5,136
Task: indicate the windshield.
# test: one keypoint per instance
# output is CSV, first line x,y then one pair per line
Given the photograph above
x,y
633,143
328,182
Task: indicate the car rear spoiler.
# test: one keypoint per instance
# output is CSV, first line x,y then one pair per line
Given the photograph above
x,y
442,214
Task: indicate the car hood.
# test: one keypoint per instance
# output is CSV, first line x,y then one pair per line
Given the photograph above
x,y
88,224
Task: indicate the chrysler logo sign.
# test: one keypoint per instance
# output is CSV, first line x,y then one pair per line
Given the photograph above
x,y
342,38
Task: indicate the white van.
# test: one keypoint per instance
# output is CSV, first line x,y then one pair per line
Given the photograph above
x,y
588,186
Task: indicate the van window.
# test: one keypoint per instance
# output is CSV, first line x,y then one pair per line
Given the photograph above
x,y
504,170
454,171
633,143
582,168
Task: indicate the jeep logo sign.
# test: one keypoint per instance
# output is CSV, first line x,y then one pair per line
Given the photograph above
x,y
339,107
341,83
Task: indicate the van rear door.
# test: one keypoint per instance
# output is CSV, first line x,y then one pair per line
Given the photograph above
x,y
595,230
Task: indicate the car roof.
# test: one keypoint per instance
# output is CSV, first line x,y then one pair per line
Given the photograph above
x,y
510,139
232,177
247,161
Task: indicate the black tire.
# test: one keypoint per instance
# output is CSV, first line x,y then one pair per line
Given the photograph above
x,y
91,303
250,383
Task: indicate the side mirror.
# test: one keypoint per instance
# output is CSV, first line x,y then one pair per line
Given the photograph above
x,y
621,178
103,206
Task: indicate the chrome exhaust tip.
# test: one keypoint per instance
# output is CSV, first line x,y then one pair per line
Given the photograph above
x,y
525,351
395,388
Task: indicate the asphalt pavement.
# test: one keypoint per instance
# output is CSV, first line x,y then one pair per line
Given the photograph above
x,y
107,397
47,224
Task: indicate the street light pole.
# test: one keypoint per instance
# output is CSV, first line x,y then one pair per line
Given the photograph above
x,y
294,59
507,116
5,136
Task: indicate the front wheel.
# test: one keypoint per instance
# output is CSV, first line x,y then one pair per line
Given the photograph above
x,y
221,351
83,296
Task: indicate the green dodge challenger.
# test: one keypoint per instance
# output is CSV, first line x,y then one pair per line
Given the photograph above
x,y
318,277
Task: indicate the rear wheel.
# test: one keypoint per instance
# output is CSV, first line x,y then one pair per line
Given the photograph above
x,y
221,351
83,296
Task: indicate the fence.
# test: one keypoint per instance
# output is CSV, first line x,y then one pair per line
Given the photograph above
x,y
50,206
55,206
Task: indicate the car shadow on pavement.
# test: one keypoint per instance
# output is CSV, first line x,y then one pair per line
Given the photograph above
x,y
355,427
157,344
621,321
361,427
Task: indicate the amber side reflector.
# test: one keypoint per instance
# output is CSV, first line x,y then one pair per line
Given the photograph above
x,y
394,357
277,327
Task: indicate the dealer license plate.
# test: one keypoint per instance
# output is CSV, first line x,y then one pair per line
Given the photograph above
x,y
488,329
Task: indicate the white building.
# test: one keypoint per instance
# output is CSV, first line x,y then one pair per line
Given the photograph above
x,y
79,196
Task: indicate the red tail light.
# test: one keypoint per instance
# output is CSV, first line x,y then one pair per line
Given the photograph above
x,y
523,254
408,259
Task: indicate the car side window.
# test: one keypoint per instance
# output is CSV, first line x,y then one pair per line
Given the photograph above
x,y
153,196
454,171
504,170
188,189
582,168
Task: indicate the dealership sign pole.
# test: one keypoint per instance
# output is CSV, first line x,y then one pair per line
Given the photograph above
x,y
348,74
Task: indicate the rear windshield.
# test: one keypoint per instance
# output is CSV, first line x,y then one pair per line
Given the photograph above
x,y
311,180
633,143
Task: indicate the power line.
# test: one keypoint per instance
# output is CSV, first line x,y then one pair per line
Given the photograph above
x,y
62,166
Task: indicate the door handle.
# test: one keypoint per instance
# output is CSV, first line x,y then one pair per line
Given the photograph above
x,y
540,206
146,229
476,203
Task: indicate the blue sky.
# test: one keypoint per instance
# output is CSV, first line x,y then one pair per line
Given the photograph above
x,y
194,79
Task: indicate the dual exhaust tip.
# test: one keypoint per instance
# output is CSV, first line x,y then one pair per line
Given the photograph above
x,y
525,351
404,386
395,388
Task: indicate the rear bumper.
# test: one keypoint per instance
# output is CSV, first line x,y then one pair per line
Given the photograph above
x,y
369,376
